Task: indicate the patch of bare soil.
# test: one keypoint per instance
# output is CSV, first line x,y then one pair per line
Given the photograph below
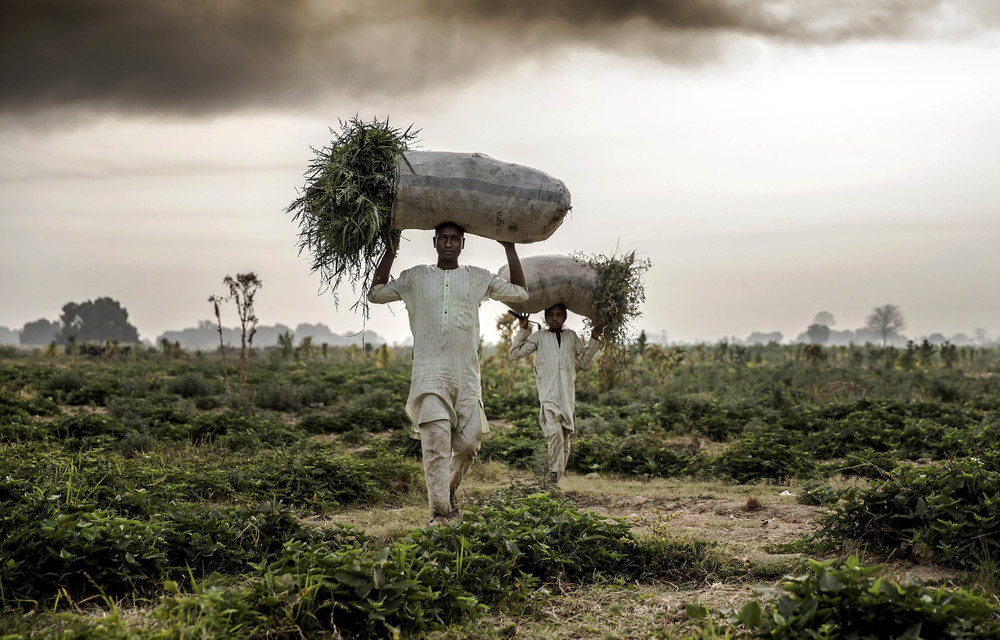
x,y
586,612
744,528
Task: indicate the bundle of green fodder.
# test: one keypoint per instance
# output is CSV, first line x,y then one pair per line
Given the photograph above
x,y
368,182
606,290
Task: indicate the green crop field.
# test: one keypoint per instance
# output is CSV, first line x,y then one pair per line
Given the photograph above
x,y
720,491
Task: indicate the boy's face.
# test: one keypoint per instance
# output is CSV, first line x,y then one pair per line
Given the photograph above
x,y
555,317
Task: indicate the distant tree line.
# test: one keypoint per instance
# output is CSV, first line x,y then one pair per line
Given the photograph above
x,y
100,320
106,320
205,336
883,326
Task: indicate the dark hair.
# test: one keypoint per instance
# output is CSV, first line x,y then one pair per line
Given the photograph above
x,y
461,229
557,305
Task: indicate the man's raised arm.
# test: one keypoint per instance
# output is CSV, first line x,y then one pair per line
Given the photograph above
x,y
514,264
380,292
385,264
515,289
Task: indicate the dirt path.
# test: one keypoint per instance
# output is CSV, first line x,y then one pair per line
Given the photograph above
x,y
745,528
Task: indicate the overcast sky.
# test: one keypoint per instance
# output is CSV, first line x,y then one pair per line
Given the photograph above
x,y
772,158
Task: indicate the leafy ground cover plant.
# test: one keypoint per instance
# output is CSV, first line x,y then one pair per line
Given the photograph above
x,y
374,411
182,464
816,494
634,455
865,463
514,446
278,396
19,405
87,427
432,578
907,429
763,454
157,421
192,385
74,388
157,414
951,510
843,599
319,478
324,478
716,420
54,545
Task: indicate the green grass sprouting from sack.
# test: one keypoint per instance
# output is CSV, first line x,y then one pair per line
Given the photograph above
x,y
617,296
344,211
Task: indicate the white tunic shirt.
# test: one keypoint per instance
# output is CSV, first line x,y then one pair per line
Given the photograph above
x,y
443,308
555,367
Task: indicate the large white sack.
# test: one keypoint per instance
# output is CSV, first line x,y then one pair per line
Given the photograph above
x,y
493,199
553,279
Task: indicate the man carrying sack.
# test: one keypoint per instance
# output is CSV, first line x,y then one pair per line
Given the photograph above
x,y
445,402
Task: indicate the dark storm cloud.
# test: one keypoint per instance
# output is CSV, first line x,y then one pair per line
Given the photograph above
x,y
166,54
204,56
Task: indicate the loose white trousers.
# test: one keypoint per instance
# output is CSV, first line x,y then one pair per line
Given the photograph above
x,y
448,454
558,434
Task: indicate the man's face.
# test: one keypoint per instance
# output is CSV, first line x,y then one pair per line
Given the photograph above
x,y
555,317
449,243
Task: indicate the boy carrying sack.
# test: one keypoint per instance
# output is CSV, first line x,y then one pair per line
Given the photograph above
x,y
559,352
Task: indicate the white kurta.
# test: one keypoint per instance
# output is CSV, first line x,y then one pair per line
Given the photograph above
x,y
555,369
443,308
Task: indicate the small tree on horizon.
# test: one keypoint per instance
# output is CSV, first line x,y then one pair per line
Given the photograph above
x,y
242,290
96,321
216,301
886,321
40,331
824,318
